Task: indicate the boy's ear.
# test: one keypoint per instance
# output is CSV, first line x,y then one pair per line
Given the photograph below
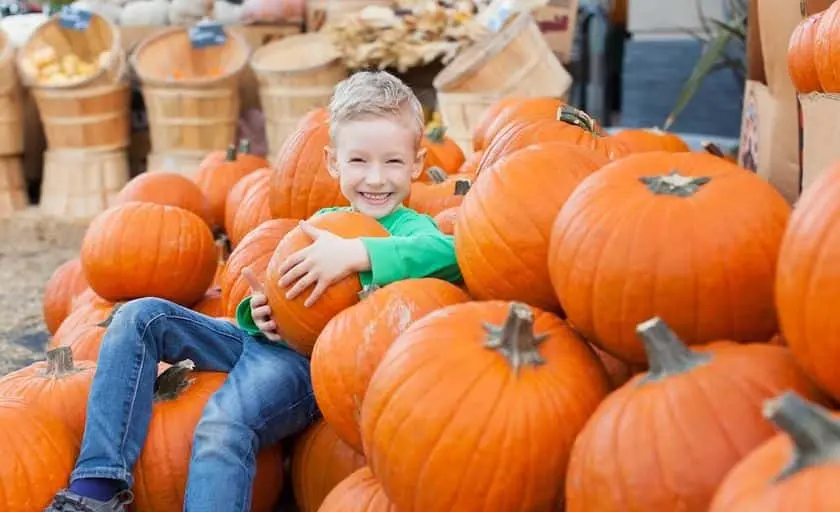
x,y
419,163
332,164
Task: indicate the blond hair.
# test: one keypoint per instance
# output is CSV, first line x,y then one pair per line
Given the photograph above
x,y
367,94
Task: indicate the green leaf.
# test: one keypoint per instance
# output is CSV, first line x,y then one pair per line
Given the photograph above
x,y
737,31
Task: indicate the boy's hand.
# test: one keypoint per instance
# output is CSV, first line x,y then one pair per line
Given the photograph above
x,y
260,310
329,259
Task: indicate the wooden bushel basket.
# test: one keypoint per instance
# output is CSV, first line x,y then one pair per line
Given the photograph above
x,y
11,101
12,187
296,75
191,94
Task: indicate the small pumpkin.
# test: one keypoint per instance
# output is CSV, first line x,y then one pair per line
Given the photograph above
x,y
666,439
161,471
239,192
441,151
446,219
320,461
215,181
795,470
444,192
359,492
654,234
253,251
138,250
58,385
800,55
300,183
300,325
639,140
351,345
505,223
166,188
252,211
248,159
65,284
457,387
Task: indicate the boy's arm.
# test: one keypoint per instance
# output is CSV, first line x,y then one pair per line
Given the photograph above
x,y
415,249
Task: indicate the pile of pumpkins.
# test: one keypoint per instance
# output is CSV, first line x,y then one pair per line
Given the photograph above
x,y
637,322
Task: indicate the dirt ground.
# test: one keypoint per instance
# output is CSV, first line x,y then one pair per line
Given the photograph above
x,y
31,248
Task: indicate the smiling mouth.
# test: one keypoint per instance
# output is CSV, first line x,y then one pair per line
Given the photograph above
x,y
379,197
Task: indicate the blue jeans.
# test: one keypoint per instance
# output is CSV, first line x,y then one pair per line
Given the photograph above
x,y
266,397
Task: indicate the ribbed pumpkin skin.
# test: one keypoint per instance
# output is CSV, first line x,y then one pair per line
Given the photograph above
x,y
808,283
38,455
252,211
148,250
359,492
445,154
81,331
320,461
800,56
519,110
253,251
161,472
299,325
216,181
620,254
237,194
487,118
167,188
65,284
444,416
300,182
667,444
432,198
353,342
643,141
504,225
826,56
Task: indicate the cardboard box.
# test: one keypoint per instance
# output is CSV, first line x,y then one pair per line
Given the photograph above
x,y
557,22
820,134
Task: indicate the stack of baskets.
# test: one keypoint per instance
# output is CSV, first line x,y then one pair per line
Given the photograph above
x,y
516,61
12,189
190,84
85,115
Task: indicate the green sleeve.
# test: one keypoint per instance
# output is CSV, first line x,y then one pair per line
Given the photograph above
x,y
415,249
244,318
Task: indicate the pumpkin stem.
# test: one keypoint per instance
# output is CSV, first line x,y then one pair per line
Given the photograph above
x,y
367,290
575,116
173,381
515,339
105,323
223,248
436,174
674,184
59,362
814,432
462,187
244,146
230,156
713,149
667,355
436,133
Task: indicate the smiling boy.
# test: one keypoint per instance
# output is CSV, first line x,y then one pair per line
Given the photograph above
x,y
376,126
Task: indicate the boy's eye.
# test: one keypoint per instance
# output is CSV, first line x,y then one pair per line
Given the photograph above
x,y
395,161
356,160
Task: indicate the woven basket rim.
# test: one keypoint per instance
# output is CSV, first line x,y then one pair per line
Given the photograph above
x,y
260,53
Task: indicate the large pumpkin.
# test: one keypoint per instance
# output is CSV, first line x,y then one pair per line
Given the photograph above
x,y
252,211
253,251
216,180
237,195
474,389
83,329
808,281
639,140
796,470
359,492
800,55
300,183
655,234
666,439
300,325
57,385
509,111
825,45
149,250
161,471
65,284
353,342
504,225
167,188
39,453
320,461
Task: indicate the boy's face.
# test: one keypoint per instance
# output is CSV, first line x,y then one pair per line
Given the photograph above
x,y
375,161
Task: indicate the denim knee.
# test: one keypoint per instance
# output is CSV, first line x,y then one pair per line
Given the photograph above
x,y
134,317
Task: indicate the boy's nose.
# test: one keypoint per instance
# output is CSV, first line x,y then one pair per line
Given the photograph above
x,y
374,175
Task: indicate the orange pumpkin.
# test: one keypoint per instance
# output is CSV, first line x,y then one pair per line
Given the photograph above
x,y
825,43
654,234
167,188
242,189
683,425
431,199
320,461
253,251
519,110
65,284
138,250
57,385
644,140
300,183
359,492
457,387
502,232
300,325
83,330
800,55
796,470
211,304
248,159
807,281
39,453
441,151
446,219
469,168
161,471
216,180
353,342
252,211
488,118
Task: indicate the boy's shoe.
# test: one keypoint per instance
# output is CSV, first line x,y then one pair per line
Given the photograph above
x,y
66,501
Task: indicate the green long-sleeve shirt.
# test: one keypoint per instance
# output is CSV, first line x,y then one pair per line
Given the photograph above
x,y
415,249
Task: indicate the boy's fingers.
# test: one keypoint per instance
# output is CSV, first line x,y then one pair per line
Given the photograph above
x,y
258,299
261,312
292,260
265,325
319,290
313,232
302,284
253,282
294,273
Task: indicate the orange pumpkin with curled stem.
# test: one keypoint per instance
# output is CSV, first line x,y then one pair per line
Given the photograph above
x,y
65,284
458,386
684,424
441,151
795,470
359,492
